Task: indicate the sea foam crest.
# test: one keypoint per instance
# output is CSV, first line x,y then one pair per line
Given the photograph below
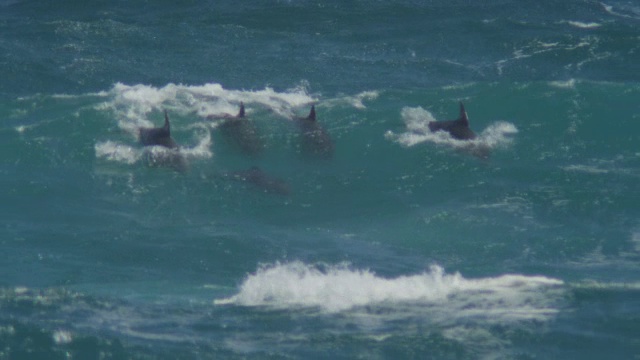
x,y
583,25
568,84
357,101
133,103
340,288
497,134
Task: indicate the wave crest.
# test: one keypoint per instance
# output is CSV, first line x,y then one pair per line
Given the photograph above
x,y
340,288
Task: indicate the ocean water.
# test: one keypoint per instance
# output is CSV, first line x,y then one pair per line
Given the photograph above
x,y
395,243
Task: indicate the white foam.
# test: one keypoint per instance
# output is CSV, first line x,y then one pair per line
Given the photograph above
x,y
510,204
568,84
607,286
21,128
117,152
585,169
498,134
202,149
62,337
583,25
417,124
602,167
127,154
357,101
340,288
460,86
132,104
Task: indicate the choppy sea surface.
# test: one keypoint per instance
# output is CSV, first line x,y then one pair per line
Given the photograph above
x,y
392,242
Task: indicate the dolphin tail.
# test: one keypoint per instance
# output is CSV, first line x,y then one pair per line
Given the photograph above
x,y
312,113
463,115
241,112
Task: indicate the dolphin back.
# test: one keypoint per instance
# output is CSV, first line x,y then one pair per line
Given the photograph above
x,y
458,129
243,133
315,139
158,136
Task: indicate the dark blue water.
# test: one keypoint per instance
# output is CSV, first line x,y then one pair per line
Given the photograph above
x,y
372,238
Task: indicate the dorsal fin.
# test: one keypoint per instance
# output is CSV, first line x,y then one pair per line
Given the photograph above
x,y
312,113
241,112
167,126
463,115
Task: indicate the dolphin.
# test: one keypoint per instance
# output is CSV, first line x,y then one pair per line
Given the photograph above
x,y
458,129
158,136
315,139
168,154
259,179
241,131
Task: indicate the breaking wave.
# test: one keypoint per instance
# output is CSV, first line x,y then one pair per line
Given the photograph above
x,y
434,293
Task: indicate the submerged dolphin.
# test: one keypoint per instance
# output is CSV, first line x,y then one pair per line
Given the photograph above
x,y
241,131
259,179
315,139
459,128
169,152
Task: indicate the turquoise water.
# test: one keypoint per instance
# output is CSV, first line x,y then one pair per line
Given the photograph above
x,y
523,243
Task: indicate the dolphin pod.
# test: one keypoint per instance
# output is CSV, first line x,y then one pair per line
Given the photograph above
x,y
162,150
